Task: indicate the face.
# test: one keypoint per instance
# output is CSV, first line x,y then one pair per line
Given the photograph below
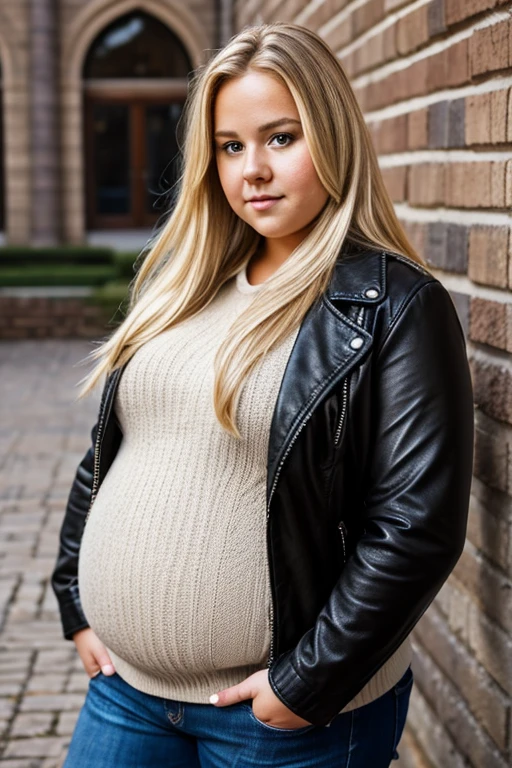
x,y
261,152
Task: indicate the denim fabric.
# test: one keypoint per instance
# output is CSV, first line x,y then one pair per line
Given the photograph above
x,y
121,727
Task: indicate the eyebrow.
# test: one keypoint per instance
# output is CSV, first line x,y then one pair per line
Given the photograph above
x,y
263,128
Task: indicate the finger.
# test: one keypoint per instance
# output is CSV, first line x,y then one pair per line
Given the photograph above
x,y
104,662
231,695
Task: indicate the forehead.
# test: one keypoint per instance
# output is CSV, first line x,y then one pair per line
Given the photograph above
x,y
254,95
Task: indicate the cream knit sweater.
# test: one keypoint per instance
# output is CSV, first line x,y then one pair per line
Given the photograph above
x,y
173,571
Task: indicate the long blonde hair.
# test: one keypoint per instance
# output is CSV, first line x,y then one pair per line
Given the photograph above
x,y
204,243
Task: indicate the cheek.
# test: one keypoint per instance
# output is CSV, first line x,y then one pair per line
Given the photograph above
x,y
229,181
303,178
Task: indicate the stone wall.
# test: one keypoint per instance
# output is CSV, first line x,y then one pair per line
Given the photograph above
x,y
44,317
43,45
434,79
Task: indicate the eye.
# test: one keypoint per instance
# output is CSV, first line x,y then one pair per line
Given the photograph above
x,y
287,137
229,145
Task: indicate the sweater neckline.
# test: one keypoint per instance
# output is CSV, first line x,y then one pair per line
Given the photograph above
x,y
242,283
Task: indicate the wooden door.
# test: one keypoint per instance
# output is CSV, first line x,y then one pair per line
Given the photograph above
x,y
130,160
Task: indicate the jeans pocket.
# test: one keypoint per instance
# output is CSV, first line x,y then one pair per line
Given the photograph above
x,y
402,692
274,728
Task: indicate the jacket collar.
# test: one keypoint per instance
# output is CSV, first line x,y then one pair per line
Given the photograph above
x,y
328,347
359,276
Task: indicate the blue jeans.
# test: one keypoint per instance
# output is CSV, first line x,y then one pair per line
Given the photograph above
x,y
120,727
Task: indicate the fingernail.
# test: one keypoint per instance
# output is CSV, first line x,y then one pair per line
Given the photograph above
x,y
214,698
108,669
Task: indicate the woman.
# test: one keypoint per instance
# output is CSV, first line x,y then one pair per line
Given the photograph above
x,y
279,475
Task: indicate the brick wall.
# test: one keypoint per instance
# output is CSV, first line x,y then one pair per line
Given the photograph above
x,y
43,317
434,78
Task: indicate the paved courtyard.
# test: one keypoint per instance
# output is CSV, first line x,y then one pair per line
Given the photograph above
x,y
43,436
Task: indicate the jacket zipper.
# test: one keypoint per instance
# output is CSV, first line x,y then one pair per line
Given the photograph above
x,y
341,421
343,411
343,533
278,472
96,469
97,452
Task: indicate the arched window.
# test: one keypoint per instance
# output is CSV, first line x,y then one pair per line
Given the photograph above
x,y
135,83
137,45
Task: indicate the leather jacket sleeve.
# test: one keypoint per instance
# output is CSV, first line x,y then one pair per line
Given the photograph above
x,y
65,574
415,511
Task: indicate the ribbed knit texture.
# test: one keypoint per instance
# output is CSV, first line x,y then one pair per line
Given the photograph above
x,y
173,570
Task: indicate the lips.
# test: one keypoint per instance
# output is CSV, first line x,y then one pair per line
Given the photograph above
x,y
262,203
259,199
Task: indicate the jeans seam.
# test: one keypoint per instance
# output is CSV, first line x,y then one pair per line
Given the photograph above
x,y
176,718
349,748
395,744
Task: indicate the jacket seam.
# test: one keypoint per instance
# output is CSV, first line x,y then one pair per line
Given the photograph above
x,y
402,308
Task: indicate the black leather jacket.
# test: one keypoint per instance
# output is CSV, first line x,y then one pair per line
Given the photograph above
x,y
369,470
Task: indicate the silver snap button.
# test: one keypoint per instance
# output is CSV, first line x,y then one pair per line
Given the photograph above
x,y
357,342
371,293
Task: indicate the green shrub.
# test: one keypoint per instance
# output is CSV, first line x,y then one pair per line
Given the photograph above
x,y
18,255
125,264
56,274
112,298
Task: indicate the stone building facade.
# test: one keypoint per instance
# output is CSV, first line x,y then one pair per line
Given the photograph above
x,y
66,77
434,79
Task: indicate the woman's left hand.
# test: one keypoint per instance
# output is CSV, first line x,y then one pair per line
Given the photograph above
x,y
266,706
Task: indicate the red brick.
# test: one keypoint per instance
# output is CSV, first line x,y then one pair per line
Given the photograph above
x,y
418,129
508,185
389,43
483,696
348,62
395,180
487,531
427,184
458,71
436,18
489,49
416,233
369,55
488,255
492,647
437,71
476,185
458,10
341,35
393,135
461,725
492,385
478,119
368,16
490,588
499,108
447,246
488,322
486,117
412,30
491,458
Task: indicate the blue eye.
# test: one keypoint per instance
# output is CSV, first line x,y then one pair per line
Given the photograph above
x,y
287,136
227,146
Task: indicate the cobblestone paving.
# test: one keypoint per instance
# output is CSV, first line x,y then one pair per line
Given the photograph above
x,y
43,435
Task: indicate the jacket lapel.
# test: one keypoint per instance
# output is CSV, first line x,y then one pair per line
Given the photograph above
x,y
325,350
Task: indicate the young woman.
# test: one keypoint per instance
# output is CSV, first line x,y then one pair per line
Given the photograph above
x,y
278,480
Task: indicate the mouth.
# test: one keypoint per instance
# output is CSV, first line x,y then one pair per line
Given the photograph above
x,y
264,202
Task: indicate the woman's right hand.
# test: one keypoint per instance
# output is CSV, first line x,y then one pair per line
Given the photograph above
x,y
93,653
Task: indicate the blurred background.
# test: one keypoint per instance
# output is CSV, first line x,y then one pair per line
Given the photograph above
x,y
91,92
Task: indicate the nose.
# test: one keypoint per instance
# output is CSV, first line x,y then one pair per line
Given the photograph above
x,y
256,166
